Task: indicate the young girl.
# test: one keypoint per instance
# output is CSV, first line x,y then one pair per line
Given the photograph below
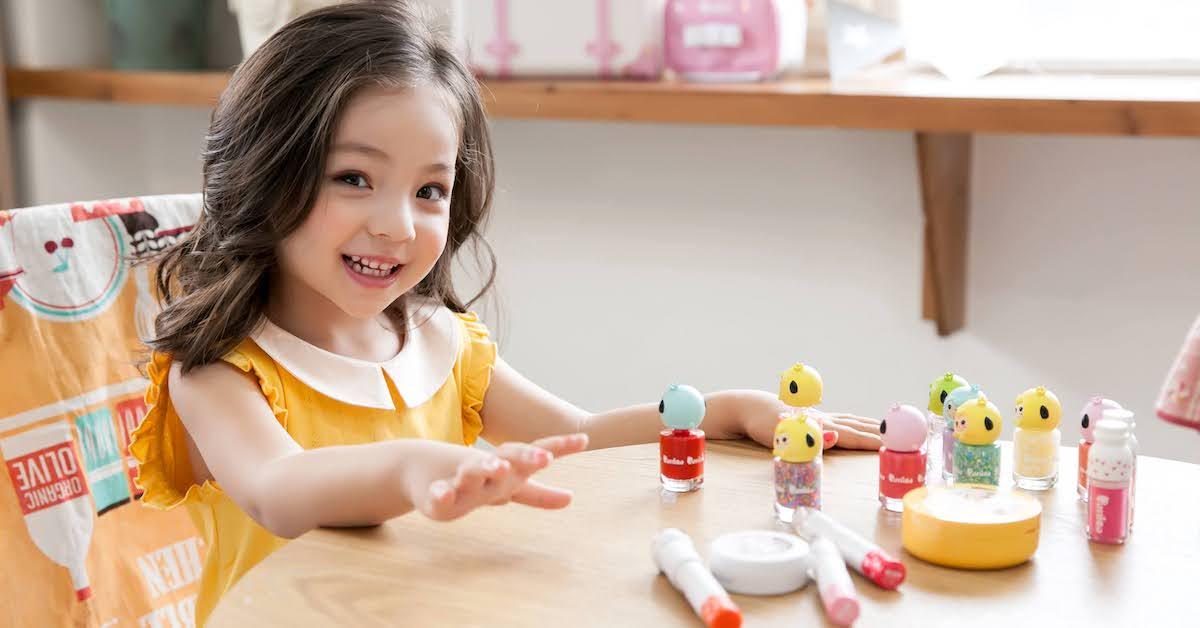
x,y
313,365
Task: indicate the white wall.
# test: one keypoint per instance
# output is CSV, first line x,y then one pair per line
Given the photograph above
x,y
633,256
71,151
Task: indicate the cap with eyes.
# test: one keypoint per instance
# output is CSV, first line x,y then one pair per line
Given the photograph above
x,y
801,386
940,389
681,407
1038,409
797,439
978,422
957,398
904,428
1092,412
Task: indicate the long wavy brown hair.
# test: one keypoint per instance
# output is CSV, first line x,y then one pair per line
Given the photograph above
x,y
264,160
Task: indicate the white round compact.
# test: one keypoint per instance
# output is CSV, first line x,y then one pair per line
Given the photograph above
x,y
760,562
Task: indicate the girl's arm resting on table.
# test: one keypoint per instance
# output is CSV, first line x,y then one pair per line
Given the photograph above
x,y
289,490
518,409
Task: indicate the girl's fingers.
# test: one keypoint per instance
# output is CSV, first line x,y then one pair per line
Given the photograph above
x,y
829,439
564,445
471,476
862,426
850,438
860,419
525,459
538,495
440,505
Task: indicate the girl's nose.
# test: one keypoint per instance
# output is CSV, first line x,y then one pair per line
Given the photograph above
x,y
394,222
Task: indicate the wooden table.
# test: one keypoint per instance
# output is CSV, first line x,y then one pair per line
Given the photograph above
x,y
590,564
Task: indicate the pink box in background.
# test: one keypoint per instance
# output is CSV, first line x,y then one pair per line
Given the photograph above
x,y
617,39
726,40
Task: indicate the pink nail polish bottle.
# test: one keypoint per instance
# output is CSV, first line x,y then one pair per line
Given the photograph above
x,y
901,460
1089,417
1110,483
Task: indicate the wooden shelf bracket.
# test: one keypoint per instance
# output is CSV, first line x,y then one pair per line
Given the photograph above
x,y
944,164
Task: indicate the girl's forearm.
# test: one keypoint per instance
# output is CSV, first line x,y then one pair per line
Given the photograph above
x,y
341,486
641,424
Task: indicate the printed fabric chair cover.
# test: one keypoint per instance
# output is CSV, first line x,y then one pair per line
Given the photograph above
x,y
75,549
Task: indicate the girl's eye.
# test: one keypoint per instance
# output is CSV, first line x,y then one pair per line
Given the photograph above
x,y
354,179
432,192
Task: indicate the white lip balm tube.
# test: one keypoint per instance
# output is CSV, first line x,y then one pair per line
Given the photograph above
x,y
676,557
862,555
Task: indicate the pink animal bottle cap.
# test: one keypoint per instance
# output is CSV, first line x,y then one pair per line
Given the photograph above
x,y
904,428
1092,412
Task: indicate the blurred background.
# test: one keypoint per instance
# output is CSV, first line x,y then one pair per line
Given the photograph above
x,y
700,243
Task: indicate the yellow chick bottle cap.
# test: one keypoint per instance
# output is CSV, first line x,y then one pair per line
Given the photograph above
x,y
1038,409
801,386
978,422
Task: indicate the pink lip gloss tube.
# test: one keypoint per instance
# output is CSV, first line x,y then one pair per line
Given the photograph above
x,y
860,554
833,582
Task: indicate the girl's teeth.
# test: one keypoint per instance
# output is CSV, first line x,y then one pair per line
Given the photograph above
x,y
371,269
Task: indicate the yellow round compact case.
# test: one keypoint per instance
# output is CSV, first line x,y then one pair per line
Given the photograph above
x,y
970,526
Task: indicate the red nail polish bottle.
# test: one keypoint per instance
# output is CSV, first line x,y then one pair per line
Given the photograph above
x,y
681,445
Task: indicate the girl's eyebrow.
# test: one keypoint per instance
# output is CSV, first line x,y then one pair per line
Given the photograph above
x,y
366,149
378,153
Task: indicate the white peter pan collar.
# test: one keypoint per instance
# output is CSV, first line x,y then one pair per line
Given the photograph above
x,y
417,372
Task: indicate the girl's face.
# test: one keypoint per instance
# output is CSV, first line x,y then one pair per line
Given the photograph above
x,y
380,220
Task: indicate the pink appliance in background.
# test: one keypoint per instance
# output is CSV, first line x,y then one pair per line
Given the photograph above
x,y
724,40
612,39
1179,401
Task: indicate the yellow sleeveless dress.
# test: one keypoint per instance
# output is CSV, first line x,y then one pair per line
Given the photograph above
x,y
433,389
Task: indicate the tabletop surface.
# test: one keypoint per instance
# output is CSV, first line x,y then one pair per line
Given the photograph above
x,y
590,564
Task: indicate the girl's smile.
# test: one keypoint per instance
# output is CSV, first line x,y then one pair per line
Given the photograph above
x,y
372,272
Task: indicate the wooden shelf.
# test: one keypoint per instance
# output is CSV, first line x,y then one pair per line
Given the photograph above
x,y
893,99
146,88
942,113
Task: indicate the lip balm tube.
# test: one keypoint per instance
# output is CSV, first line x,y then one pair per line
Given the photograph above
x,y
676,557
863,556
833,582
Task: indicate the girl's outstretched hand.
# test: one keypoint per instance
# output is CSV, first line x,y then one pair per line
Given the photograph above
x,y
462,479
759,412
851,431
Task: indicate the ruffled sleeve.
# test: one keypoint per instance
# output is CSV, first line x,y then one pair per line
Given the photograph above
x,y
159,444
475,365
